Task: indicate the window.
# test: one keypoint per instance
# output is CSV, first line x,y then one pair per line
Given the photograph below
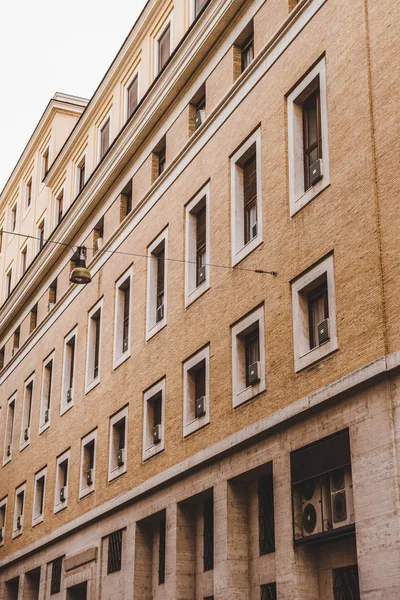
x,y
196,391
45,163
40,235
16,339
28,193
2,354
266,523
247,52
88,464
52,295
1,239
314,314
198,109
47,388
8,283
9,433
14,218
62,476
157,284
243,50
132,96
161,549
114,552
268,591
118,446
67,394
93,347
59,206
246,198
208,535
248,345
345,583
39,497
163,48
98,235
3,515
23,260
104,137
27,413
19,510
122,327
33,318
56,571
308,138
153,425
197,249
80,174
126,201
159,159
198,7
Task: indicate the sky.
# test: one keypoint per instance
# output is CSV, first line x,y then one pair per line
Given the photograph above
x,y
48,46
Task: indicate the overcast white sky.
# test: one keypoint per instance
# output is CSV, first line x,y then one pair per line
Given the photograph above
x,y
48,46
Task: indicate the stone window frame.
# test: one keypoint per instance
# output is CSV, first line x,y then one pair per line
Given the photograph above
x,y
12,399
43,425
39,518
115,472
152,326
135,74
168,22
20,489
239,248
25,422
120,357
303,356
240,392
192,291
192,425
85,489
65,406
58,505
100,126
3,507
150,449
92,382
295,99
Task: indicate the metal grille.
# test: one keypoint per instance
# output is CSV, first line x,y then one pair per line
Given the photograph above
x,y
268,591
161,553
345,583
114,552
56,576
266,515
208,556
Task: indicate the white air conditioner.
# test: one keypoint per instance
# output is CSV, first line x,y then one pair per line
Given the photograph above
x,y
125,345
316,172
160,313
157,434
315,514
89,477
121,457
254,230
341,490
199,118
50,306
69,395
63,493
99,243
19,522
26,434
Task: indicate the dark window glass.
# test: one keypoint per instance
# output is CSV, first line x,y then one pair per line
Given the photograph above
x,y
164,48
157,410
200,381
114,552
200,243
250,198
81,175
312,134
247,52
318,310
125,335
161,552
71,345
266,525
252,351
104,138
162,160
132,96
41,235
29,186
160,280
56,569
208,556
60,203
268,591
96,325
2,353
345,583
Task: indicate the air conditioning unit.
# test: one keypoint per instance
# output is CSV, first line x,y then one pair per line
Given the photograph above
x,y
14,351
157,434
1,534
69,395
26,434
50,306
125,345
201,275
254,231
323,331
121,457
160,313
311,507
199,118
200,408
89,477
9,450
63,492
341,490
253,373
316,171
46,415
99,243
19,522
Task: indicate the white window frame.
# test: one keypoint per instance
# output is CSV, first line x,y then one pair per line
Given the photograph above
x,y
241,393
120,357
190,423
43,425
17,532
168,22
114,472
91,381
85,489
298,197
303,356
99,128
78,164
136,73
192,291
13,398
150,449
27,425
152,326
65,406
39,517
239,249
58,505
3,505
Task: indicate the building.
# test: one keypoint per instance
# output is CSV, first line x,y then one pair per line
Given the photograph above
x,y
185,426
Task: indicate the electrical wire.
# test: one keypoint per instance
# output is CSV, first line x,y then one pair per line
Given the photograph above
x,y
178,260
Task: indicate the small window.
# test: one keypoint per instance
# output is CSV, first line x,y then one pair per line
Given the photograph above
x,y
40,235
3,515
1,239
163,47
268,591
196,391
28,194
118,446
16,340
248,357
56,571
24,254
88,464
52,295
126,201
93,347
162,531
14,218
247,52
154,425
9,433
80,174
132,96
122,328
39,497
69,366
8,283
19,509
345,583
198,109
59,206
2,355
157,284
266,522
62,477
27,413
208,534
114,552
197,267
33,316
159,159
98,235
45,163
243,50
105,137
47,389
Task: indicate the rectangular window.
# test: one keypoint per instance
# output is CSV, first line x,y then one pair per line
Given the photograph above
x,y
80,174
252,354
163,48
98,235
40,235
2,355
28,194
56,571
1,239
62,477
19,509
16,339
312,136
161,549
154,424
114,552
45,163
39,497
88,464
33,318
14,218
208,535
52,295
59,206
247,52
196,391
23,260
268,591
3,515
345,583
105,137
9,433
27,413
8,283
156,285
197,249
118,447
162,160
250,198
94,347
132,96
122,317
47,388
67,397
126,201
197,107
266,522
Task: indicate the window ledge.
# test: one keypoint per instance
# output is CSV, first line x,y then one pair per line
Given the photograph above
x,y
196,293
316,354
86,491
37,520
16,533
24,444
246,250
44,427
121,359
115,473
155,329
248,393
7,460
66,407
153,450
90,386
59,507
308,196
197,424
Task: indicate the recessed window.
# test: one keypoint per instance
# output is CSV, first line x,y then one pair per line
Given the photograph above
x,y
33,316
114,560
308,138
104,137
45,163
154,420
132,96
47,389
28,193
157,284
163,50
246,198
345,583
52,295
1,239
24,254
40,235
27,413
266,522
9,433
2,356
8,283
197,250
56,573
39,497
208,534
62,476
159,159
88,464
118,444
80,174
19,510
248,357
268,591
196,391
69,366
314,314
122,328
198,109
13,221
93,347
126,201
16,340
243,50
150,552
98,235
59,206
3,515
